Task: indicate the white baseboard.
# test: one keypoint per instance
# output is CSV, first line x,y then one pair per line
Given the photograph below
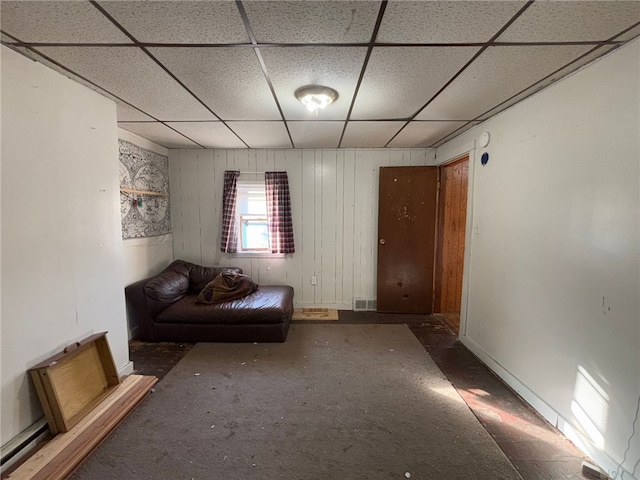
x,y
126,370
521,389
133,333
604,461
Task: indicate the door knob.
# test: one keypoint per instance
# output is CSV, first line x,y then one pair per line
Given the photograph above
x,y
382,241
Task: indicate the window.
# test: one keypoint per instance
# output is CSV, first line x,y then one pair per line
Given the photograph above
x,y
251,216
256,216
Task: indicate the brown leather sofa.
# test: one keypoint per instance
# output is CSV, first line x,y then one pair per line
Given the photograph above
x,y
165,309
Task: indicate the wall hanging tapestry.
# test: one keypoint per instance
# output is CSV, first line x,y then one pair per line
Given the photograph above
x,y
144,192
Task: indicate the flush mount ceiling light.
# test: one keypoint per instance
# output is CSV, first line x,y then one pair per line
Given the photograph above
x,y
315,97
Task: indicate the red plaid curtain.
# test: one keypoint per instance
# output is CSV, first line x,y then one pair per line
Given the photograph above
x,y
279,212
229,240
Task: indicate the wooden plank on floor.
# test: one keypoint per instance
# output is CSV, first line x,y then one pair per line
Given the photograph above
x,y
65,452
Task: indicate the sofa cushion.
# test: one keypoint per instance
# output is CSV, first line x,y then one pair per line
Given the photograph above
x,y
268,305
226,287
165,289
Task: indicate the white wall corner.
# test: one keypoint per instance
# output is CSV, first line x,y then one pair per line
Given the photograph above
x,y
133,332
126,370
142,142
450,150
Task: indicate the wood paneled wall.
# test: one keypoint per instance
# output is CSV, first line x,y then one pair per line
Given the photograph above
x,y
334,195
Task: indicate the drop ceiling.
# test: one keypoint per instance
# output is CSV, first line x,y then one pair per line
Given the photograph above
x,y
222,74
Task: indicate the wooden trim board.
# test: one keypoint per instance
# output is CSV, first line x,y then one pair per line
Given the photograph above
x,y
62,455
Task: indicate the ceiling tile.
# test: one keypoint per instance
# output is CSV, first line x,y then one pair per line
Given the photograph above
x,y
445,22
316,134
572,21
551,79
126,113
455,133
312,22
180,21
262,134
229,80
399,80
158,133
131,75
40,57
208,134
369,134
424,134
77,22
292,68
496,75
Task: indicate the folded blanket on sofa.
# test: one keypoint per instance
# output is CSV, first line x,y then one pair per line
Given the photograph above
x,y
227,286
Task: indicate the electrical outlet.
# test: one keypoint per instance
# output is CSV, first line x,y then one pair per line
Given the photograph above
x,y
314,280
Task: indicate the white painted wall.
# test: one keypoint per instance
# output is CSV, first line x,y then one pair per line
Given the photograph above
x,y
144,257
61,269
554,271
334,196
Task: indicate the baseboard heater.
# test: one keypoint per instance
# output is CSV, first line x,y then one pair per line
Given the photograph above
x,y
16,446
59,457
83,399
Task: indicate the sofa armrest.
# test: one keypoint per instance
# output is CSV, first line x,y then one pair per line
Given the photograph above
x,y
138,310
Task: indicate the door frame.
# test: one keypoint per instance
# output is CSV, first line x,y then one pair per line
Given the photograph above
x,y
454,155
438,267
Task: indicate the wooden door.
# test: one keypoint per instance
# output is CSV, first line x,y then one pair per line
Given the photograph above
x,y
452,221
406,237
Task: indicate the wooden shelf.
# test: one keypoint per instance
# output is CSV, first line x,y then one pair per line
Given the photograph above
x,y
143,192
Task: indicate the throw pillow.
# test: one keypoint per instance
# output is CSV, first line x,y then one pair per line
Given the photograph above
x,y
227,286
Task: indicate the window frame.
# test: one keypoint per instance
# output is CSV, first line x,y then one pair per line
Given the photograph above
x,y
241,187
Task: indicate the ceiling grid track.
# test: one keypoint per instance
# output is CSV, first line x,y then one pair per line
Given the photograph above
x,y
263,66
473,59
572,40
59,65
374,35
161,65
610,41
139,44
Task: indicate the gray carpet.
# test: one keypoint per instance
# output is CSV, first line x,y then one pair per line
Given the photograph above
x,y
332,402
